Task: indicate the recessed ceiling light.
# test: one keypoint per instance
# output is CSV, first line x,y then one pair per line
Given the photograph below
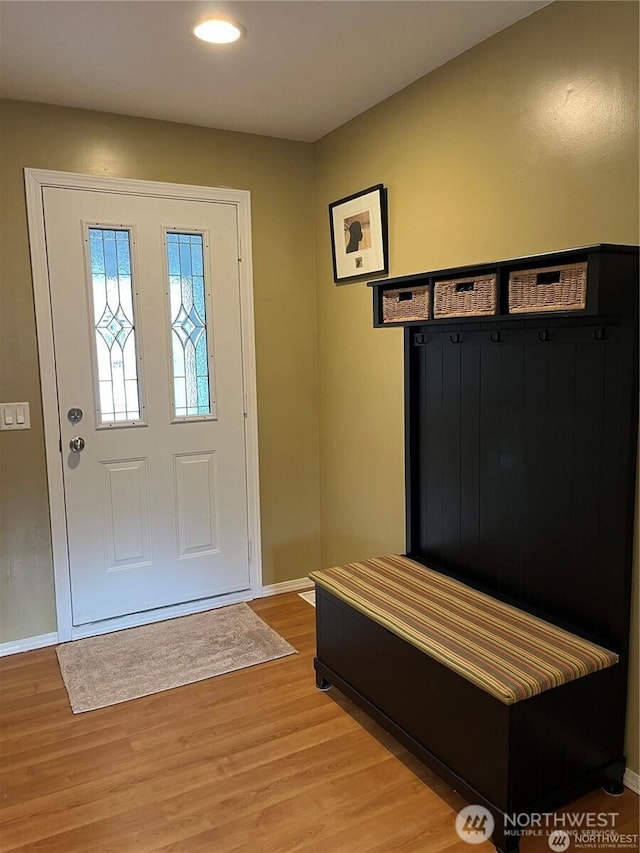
x,y
218,31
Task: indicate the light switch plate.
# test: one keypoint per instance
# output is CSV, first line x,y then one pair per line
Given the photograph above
x,y
15,416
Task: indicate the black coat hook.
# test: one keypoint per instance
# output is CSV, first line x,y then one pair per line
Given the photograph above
x,y
600,333
495,337
543,335
455,339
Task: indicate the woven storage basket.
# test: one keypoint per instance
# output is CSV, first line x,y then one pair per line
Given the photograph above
x,y
465,297
406,304
561,288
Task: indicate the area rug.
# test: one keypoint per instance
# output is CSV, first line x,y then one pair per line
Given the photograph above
x,y
113,668
309,596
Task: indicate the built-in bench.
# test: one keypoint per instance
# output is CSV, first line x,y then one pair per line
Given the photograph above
x,y
501,704
508,653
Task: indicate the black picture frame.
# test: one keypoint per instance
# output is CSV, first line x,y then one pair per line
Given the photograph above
x,y
359,235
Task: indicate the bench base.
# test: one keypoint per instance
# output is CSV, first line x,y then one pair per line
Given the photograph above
x,y
530,757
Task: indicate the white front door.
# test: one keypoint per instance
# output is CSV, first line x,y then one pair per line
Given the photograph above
x,y
146,321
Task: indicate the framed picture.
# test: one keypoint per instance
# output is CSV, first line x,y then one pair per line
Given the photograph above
x,y
358,226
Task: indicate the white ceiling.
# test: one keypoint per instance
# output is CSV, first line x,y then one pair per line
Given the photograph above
x,y
305,67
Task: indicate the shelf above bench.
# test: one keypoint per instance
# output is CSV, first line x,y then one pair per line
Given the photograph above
x,y
584,282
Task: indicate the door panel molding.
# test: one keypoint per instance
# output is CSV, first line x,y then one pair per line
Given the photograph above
x,y
126,513
196,497
36,180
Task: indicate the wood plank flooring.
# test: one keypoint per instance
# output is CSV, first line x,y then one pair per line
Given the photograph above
x,y
256,760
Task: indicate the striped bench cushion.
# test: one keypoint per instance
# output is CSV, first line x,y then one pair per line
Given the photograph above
x,y
510,654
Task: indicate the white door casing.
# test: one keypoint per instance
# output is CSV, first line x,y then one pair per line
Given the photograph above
x,y
166,518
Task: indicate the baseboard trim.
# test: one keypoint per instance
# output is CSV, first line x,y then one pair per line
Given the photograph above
x,y
28,644
286,586
632,781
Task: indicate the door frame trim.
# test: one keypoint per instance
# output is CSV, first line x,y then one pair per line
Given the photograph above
x,y
35,182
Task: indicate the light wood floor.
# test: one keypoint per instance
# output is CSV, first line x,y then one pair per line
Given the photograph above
x,y
257,760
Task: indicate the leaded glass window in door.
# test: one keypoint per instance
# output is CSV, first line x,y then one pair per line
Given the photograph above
x,y
190,342
113,300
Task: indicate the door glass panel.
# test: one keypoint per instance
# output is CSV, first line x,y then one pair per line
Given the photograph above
x,y
189,338
114,325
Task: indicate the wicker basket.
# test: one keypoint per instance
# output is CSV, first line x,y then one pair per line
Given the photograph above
x,y
561,288
406,304
466,297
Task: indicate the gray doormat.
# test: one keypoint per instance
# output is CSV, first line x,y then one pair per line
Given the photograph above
x,y
112,668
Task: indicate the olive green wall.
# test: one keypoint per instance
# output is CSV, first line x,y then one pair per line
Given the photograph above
x,y
527,143
280,177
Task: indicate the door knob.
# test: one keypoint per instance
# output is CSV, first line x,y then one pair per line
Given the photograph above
x,y
77,444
